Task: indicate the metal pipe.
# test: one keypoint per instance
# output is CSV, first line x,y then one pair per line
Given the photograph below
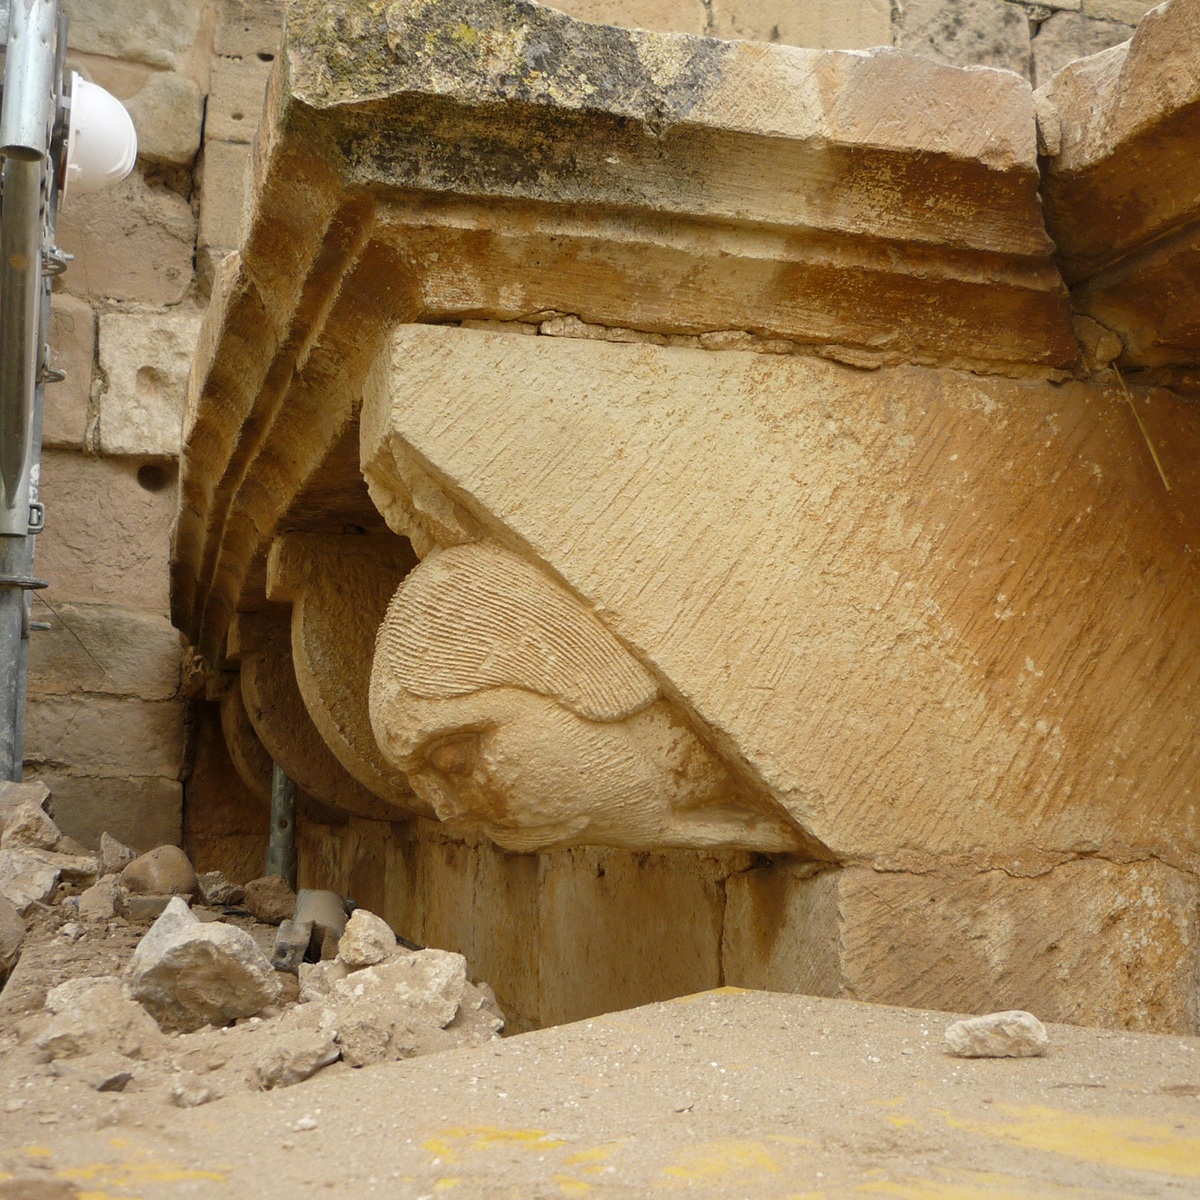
x,y
281,849
20,320
29,90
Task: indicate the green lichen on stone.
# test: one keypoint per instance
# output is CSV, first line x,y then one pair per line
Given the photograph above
x,y
495,51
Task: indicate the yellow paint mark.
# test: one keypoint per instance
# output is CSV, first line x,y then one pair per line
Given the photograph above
x,y
35,1151
595,1155
119,1143
449,1144
572,1187
888,1103
902,1122
447,1185
979,1185
124,1175
1113,1141
722,1159
101,1196
721,991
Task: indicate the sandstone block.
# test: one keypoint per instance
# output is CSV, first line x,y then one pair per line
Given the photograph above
x,y
829,24
235,99
107,537
294,1056
99,902
146,357
12,933
26,880
270,899
92,1015
368,939
147,807
663,16
105,735
150,31
222,196
968,33
426,983
27,827
246,27
1066,36
72,349
14,796
188,974
168,113
134,241
1128,12
104,648
166,870
998,1035
145,909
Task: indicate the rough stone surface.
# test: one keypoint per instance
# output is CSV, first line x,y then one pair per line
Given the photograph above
x,y
167,114
115,855
317,979
92,1015
1067,36
133,241
830,24
1014,1034
235,99
149,31
72,349
139,908
107,538
99,902
188,974
165,870
247,27
12,932
1130,12
28,827
270,899
145,357
26,880
368,939
14,796
294,1056
985,33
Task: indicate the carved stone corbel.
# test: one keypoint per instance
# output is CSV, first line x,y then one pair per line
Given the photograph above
x,y
276,710
339,586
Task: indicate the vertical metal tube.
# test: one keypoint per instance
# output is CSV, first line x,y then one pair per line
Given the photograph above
x,y
29,65
281,850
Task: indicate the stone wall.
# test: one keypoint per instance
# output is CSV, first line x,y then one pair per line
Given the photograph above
x,y
560,935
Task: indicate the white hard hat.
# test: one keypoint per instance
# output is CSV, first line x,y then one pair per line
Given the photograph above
x,y
102,143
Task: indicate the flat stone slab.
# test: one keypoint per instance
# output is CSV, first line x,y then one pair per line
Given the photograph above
x,y
724,1094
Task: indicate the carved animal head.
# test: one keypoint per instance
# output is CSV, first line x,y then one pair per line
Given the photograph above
x,y
513,709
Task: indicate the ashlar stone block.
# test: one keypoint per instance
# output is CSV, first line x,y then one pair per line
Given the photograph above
x,y
149,31
145,358
247,27
72,350
168,113
222,197
828,24
966,33
235,98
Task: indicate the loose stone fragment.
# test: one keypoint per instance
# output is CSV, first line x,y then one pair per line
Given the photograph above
x,y
326,911
27,827
368,939
99,902
12,933
141,909
188,974
293,1056
270,899
166,870
26,880
317,979
14,795
93,1015
106,1072
1014,1034
291,944
115,855
216,889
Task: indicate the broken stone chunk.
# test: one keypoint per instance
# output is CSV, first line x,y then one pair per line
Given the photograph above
x,y
216,889
189,974
25,880
93,1015
13,795
293,1056
368,940
270,899
105,1072
99,902
428,983
165,870
115,855
1014,1034
27,827
326,911
12,933
291,945
143,910
317,979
